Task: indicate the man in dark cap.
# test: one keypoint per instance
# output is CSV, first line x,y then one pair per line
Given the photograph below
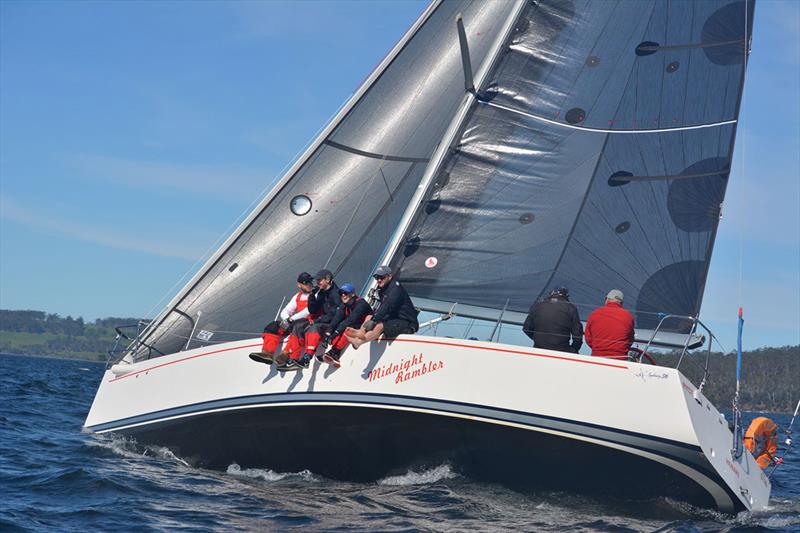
x,y
395,316
294,314
322,306
553,321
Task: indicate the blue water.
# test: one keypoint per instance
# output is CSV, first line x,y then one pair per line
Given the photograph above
x,y
53,477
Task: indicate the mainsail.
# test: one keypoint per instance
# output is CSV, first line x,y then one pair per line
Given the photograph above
x,y
341,201
596,157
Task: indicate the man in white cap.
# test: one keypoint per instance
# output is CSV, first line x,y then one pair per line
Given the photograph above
x,y
609,329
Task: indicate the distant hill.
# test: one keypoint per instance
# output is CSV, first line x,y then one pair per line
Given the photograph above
x,y
770,376
40,333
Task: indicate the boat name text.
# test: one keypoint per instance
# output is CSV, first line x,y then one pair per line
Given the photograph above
x,y
406,369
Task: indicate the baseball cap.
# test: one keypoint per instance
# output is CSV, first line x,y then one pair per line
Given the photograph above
x,y
615,294
304,277
383,270
560,291
324,273
347,288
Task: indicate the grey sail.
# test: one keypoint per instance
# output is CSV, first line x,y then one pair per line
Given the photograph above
x,y
349,189
596,158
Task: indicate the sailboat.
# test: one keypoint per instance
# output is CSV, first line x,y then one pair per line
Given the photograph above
x,y
499,149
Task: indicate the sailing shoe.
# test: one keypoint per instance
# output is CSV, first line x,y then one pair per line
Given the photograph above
x,y
320,357
332,358
303,362
262,357
291,365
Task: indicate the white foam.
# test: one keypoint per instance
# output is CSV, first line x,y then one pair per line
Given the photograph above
x,y
127,447
420,478
269,475
163,453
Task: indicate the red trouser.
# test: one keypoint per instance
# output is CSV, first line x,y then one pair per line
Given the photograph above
x,y
313,338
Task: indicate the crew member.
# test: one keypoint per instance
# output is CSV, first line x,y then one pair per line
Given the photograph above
x,y
609,329
322,306
350,316
294,311
552,322
395,315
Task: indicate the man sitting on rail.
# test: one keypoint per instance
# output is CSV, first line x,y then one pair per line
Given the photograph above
x,y
609,329
350,316
395,316
296,311
322,306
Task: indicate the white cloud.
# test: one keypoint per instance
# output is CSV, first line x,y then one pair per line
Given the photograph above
x,y
96,235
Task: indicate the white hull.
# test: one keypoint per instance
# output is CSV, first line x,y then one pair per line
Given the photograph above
x,y
447,391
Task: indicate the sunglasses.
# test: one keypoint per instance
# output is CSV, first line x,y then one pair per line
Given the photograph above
x,y
378,278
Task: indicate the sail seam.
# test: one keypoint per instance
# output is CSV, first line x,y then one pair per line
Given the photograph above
x,y
603,130
374,155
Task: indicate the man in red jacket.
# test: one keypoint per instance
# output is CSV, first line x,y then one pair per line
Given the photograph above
x,y
609,329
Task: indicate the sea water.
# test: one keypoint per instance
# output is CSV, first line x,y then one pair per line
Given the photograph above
x,y
54,477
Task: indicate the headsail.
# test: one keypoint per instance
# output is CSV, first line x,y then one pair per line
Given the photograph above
x,y
341,201
597,158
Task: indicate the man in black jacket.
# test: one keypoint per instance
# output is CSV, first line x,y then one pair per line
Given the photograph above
x,y
350,315
322,305
395,315
552,321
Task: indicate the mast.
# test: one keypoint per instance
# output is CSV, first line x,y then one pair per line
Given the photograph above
x,y
470,97
286,177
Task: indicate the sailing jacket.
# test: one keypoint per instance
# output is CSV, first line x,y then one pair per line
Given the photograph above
x,y
551,323
297,308
350,315
323,304
609,331
395,303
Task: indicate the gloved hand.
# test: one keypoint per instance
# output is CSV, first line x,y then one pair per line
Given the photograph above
x,y
369,325
285,324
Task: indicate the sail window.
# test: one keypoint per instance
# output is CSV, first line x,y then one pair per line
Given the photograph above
x,y
646,48
618,178
233,267
526,218
592,61
300,205
622,227
576,115
672,67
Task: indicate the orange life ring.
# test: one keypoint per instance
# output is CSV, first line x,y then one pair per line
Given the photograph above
x,y
761,439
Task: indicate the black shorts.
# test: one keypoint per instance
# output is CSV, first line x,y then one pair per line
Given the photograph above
x,y
397,326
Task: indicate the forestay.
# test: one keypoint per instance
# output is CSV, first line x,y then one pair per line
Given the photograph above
x,y
597,158
341,201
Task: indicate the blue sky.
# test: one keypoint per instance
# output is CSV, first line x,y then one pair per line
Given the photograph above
x,y
135,135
